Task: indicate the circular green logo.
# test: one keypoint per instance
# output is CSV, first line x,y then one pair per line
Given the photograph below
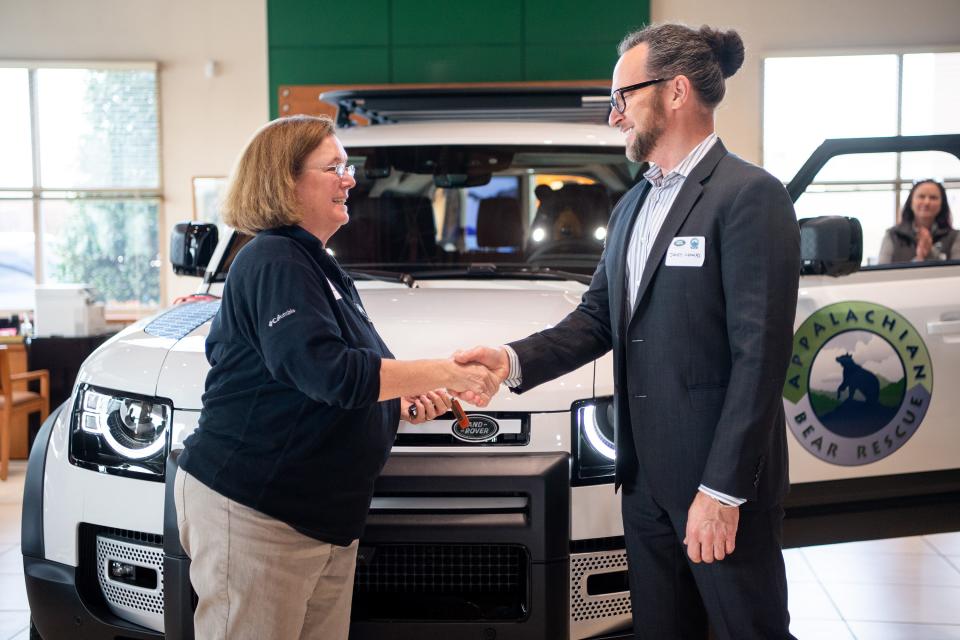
x,y
859,383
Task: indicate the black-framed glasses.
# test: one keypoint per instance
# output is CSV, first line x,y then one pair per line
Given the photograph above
x,y
618,102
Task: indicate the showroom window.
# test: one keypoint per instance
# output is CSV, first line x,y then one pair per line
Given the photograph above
x,y
813,98
80,182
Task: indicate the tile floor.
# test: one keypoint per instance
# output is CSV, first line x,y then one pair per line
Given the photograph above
x,y
898,589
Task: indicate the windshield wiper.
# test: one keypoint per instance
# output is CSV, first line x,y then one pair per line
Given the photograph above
x,y
382,276
491,270
550,272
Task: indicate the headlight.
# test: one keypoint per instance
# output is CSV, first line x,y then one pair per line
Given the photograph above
x,y
120,434
593,438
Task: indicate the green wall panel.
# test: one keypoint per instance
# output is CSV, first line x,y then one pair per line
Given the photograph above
x,y
563,21
386,41
327,23
329,65
340,65
570,61
458,64
420,23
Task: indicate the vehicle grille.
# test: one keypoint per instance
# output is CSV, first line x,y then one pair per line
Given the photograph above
x,y
599,594
441,582
138,604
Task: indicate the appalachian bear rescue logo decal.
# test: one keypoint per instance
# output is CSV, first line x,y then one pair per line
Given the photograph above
x,y
859,383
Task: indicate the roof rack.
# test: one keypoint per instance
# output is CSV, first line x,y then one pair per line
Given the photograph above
x,y
586,104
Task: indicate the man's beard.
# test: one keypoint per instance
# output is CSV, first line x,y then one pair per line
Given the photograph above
x,y
645,141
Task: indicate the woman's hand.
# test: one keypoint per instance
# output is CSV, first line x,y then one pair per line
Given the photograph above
x,y
409,378
924,243
427,406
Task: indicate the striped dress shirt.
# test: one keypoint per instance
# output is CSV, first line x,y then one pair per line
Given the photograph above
x,y
663,191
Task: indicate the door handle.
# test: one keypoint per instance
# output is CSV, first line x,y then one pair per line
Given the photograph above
x,y
943,328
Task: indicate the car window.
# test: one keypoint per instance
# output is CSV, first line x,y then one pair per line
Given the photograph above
x,y
874,188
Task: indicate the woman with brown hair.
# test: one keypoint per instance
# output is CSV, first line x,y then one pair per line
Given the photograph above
x,y
301,406
925,233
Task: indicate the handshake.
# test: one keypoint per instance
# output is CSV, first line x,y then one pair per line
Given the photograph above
x,y
473,375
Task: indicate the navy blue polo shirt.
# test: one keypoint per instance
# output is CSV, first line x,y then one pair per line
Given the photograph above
x,y
290,424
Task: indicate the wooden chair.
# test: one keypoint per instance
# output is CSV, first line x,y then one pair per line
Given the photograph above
x,y
16,401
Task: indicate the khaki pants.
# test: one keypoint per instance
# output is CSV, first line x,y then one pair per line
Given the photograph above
x,y
257,577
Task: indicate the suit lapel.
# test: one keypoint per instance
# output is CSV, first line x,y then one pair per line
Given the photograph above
x,y
681,208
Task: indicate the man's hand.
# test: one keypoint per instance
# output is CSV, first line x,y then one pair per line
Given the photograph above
x,y
711,529
426,407
494,359
472,382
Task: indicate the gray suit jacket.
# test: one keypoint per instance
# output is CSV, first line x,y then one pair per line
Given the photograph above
x,y
699,363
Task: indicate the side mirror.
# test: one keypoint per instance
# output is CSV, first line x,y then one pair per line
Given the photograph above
x,y
191,246
830,245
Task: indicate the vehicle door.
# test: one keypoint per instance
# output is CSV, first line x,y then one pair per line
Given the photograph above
x,y
873,387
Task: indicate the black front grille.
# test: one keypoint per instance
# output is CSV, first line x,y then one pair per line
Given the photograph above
x,y
441,582
590,545
419,439
447,440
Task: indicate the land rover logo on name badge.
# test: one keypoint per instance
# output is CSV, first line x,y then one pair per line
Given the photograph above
x,y
480,429
859,383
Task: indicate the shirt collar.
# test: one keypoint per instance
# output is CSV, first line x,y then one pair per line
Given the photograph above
x,y
327,263
655,173
309,241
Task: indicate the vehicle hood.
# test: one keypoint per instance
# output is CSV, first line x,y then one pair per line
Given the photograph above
x,y
431,320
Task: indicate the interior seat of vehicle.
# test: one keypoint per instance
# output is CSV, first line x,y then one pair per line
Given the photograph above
x,y
418,239
392,228
500,225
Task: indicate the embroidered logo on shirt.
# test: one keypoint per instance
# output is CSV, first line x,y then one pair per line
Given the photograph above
x,y
281,316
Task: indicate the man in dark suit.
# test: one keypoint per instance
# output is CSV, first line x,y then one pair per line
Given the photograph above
x,y
695,294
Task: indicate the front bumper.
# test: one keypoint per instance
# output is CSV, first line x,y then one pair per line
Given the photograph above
x,y
494,562
58,607
59,611
509,574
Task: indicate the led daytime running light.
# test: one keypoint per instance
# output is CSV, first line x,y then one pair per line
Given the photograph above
x,y
97,422
591,430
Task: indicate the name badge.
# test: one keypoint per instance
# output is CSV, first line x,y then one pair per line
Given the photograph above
x,y
687,251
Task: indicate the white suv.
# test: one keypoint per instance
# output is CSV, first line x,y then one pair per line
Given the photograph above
x,y
482,231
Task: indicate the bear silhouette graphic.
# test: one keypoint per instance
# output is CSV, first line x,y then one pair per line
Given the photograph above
x,y
856,378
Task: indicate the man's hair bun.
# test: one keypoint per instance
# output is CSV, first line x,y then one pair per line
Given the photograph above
x,y
727,46
705,56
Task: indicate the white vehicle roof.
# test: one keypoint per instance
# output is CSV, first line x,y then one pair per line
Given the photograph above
x,y
480,132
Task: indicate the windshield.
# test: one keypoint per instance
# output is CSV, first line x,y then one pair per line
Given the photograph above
x,y
436,208
436,211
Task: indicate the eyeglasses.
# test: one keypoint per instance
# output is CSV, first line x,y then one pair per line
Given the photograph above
x,y
341,169
618,102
